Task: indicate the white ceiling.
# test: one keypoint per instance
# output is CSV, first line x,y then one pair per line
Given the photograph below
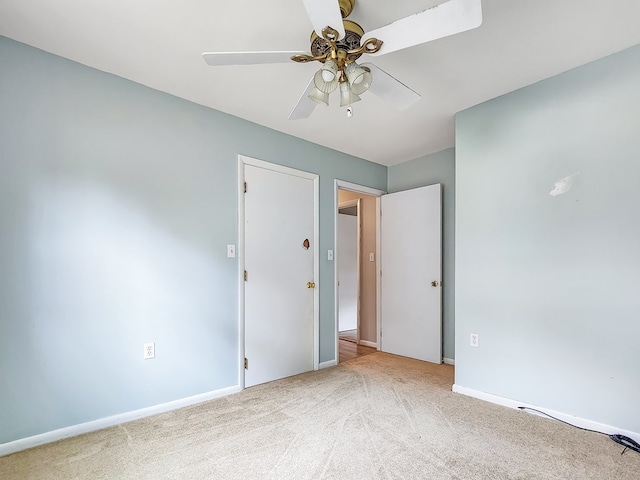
x,y
158,43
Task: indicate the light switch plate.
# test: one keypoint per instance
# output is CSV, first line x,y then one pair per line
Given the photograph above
x,y
231,251
329,254
372,257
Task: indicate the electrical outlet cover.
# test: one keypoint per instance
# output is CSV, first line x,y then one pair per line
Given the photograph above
x,y
149,350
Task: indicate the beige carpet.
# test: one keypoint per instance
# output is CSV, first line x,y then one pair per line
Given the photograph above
x,y
375,417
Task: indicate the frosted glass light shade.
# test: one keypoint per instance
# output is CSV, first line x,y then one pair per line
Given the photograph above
x,y
359,78
326,79
319,97
347,97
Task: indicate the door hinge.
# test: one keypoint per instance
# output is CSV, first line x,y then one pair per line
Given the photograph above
x,y
245,187
246,364
246,276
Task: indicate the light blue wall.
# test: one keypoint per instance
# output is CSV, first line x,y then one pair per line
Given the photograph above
x,y
436,168
116,206
552,284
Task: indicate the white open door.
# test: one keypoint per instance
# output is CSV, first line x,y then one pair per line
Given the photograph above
x,y
279,257
411,255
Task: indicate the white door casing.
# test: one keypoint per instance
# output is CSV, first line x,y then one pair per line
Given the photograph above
x,y
278,312
411,255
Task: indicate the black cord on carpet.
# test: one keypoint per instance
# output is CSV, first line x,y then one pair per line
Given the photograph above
x,y
626,442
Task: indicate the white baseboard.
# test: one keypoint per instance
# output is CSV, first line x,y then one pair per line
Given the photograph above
x,y
330,363
448,361
367,343
577,421
99,424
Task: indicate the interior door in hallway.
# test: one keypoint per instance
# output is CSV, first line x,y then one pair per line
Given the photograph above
x,y
279,262
348,267
411,255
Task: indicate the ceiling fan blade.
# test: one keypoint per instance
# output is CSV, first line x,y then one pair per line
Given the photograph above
x,y
391,90
246,58
325,13
445,19
305,105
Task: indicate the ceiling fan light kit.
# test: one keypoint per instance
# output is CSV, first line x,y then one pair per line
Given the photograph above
x,y
347,97
337,43
339,56
359,78
321,98
326,79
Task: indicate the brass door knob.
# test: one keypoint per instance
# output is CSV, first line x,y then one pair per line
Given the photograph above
x,y
435,283
311,285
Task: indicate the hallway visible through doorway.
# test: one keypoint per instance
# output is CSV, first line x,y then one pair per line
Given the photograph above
x,y
348,347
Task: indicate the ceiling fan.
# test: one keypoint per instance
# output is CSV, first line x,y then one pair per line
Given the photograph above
x,y
338,43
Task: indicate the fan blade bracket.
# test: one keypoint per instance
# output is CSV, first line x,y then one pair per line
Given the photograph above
x,y
304,58
216,59
330,35
371,45
325,14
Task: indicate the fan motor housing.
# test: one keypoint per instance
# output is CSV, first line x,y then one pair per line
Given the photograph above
x,y
351,41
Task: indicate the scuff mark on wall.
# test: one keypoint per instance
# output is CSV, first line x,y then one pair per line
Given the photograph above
x,y
564,185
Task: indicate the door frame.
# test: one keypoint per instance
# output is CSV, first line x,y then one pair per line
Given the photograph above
x,y
240,253
353,187
353,203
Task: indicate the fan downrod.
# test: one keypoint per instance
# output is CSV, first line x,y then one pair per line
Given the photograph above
x,y
346,7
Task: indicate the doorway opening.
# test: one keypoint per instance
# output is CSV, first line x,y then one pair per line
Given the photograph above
x,y
357,270
407,302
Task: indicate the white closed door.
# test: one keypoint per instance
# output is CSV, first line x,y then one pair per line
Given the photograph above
x,y
411,255
279,262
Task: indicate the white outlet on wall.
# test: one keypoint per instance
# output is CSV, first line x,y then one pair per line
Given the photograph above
x,y
473,340
149,350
